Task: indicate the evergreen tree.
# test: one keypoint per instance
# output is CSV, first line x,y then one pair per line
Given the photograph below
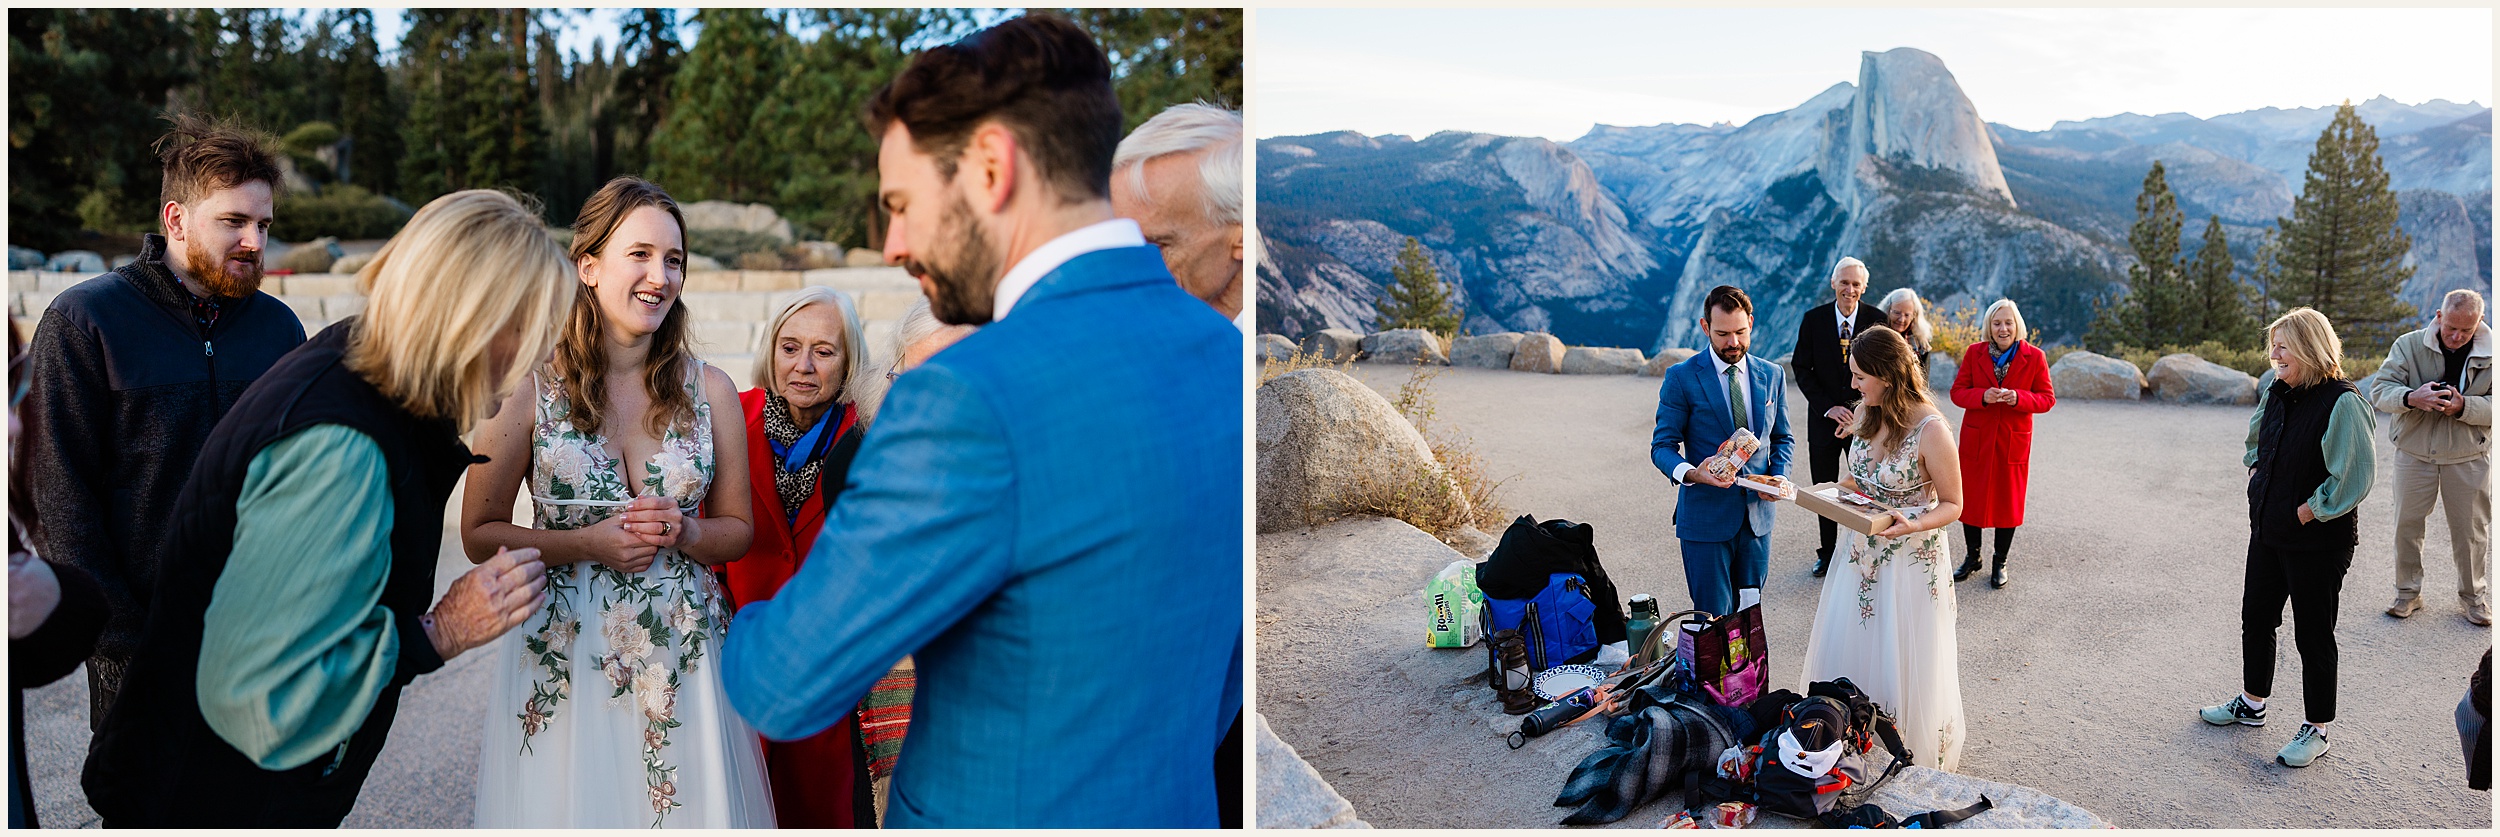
x,y
87,87
470,124
1416,297
368,108
2220,301
829,185
1164,57
2158,309
2341,252
647,57
714,143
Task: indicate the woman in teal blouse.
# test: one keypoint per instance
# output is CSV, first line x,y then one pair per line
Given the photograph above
x,y
2309,466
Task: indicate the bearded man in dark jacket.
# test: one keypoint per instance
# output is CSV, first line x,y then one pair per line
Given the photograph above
x,y
131,369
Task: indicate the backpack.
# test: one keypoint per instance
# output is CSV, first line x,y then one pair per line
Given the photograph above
x,y
1530,553
1558,622
1821,756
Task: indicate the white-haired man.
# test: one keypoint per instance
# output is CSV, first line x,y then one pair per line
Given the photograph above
x,y
1821,365
1179,177
2437,382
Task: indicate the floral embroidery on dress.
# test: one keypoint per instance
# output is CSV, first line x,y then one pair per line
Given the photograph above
x,y
1899,481
654,623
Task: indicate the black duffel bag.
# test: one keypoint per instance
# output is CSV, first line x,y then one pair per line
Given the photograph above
x,y
1531,553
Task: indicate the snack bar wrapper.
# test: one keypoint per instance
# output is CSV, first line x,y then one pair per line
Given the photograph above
x,y
1679,819
1732,455
1730,815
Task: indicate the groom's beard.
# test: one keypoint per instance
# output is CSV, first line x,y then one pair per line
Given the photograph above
x,y
962,273
221,277
1732,354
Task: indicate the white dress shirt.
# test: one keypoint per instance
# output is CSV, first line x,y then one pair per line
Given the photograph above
x,y
1115,233
1744,390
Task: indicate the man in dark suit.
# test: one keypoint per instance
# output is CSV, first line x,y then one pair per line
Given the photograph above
x,y
1821,363
1725,530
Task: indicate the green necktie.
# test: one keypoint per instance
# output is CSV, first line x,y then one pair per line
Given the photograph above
x,y
1735,399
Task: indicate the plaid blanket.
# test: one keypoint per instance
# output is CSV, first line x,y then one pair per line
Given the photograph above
x,y
884,715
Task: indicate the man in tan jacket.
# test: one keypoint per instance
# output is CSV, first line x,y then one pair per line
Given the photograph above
x,y
2437,383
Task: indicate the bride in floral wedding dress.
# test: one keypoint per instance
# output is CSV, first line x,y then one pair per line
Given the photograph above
x,y
606,709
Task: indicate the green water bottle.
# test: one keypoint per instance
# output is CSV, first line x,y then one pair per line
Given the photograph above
x,y
1637,630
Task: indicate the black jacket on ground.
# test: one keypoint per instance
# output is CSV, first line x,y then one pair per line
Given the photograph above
x,y
156,762
1531,552
1822,373
125,389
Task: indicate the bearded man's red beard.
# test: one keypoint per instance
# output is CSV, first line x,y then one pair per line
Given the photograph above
x,y
221,274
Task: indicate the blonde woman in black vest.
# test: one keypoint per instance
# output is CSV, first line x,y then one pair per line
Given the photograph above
x,y
2309,466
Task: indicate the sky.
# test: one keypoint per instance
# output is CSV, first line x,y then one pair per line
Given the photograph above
x,y
1556,73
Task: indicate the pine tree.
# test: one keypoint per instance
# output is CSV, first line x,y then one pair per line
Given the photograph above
x,y
1416,297
369,109
2221,303
2341,252
2158,309
714,143
86,88
469,125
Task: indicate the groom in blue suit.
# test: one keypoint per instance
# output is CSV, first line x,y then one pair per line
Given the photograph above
x,y
1725,530
1048,514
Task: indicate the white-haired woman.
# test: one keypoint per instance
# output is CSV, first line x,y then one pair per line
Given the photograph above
x,y
2003,380
296,597
1907,314
2309,467
804,421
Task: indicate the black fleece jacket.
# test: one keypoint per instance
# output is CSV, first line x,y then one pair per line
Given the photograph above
x,y
125,386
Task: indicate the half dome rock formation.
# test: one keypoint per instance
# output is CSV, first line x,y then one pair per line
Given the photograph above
x,y
1910,112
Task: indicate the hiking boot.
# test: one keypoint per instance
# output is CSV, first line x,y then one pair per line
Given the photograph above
x,y
1970,564
2478,611
2405,606
2307,745
2234,711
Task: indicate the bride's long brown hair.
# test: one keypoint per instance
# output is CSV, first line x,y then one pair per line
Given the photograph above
x,y
1882,354
582,358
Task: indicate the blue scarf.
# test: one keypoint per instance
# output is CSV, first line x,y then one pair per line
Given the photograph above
x,y
2006,357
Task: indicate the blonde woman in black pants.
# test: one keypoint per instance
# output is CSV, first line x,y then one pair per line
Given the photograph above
x,y
2309,466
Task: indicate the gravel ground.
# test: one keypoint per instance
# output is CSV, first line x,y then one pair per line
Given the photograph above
x,y
426,777
2081,678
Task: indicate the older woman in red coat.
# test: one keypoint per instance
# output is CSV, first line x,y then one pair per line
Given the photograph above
x,y
803,427
2000,384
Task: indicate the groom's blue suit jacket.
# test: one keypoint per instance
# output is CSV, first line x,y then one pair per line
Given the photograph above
x,y
1048,516
1693,418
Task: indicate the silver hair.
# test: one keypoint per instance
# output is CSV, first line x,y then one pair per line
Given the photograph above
x,y
1179,129
2463,299
2021,332
917,324
854,344
1847,262
1921,331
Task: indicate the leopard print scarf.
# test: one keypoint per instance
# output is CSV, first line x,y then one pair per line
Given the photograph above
x,y
796,486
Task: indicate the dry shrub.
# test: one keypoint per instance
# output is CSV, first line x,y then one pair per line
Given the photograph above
x,y
1459,493
1956,330
1302,359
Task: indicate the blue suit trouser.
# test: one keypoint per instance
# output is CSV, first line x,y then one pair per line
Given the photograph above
x,y
1714,571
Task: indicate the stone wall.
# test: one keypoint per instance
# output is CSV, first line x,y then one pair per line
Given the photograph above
x,y
729,307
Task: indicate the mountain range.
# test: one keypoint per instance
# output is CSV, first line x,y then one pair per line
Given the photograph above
x,y
1611,239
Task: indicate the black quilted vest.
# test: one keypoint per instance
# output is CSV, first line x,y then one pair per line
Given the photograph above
x,y
156,762
2291,464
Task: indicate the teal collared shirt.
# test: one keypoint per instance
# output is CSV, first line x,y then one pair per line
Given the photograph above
x,y
296,646
2350,463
